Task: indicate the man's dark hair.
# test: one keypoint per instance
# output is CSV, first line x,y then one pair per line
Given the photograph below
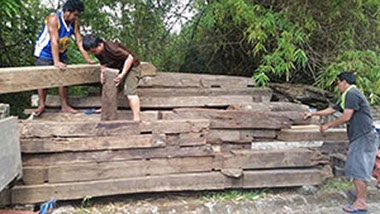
x,y
91,41
349,77
73,5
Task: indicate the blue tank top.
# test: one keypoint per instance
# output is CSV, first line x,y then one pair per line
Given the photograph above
x,y
43,43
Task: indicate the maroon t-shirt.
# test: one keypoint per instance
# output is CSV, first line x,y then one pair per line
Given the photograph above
x,y
115,54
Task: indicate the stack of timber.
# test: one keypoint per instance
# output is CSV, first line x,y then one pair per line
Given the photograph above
x,y
72,160
196,134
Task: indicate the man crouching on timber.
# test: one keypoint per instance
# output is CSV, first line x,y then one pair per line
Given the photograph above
x,y
115,55
363,139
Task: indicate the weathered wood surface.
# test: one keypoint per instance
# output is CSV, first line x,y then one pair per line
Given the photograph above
x,y
57,115
246,159
109,95
112,170
239,136
264,93
30,78
153,102
180,182
224,119
77,129
188,80
10,156
45,159
46,145
271,106
44,129
147,69
338,134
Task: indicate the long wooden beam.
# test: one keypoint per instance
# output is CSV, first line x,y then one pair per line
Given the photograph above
x,y
29,78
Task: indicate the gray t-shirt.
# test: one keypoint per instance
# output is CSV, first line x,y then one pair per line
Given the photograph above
x,y
361,121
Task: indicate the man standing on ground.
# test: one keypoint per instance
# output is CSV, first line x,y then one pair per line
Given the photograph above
x,y
51,46
116,55
363,139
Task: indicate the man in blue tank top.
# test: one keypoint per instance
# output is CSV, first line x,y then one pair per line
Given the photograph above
x,y
51,46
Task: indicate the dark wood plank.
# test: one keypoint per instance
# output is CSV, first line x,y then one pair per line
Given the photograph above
x,y
46,145
114,155
153,102
113,170
225,119
31,128
109,95
338,135
250,159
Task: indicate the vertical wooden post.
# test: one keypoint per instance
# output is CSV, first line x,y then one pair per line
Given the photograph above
x,y
109,95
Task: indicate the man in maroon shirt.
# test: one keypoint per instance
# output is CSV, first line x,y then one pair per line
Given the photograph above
x,y
115,55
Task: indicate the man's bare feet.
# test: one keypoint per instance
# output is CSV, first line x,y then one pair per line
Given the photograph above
x,y
39,111
68,109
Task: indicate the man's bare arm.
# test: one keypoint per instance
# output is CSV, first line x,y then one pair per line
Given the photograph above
x,y
79,41
52,25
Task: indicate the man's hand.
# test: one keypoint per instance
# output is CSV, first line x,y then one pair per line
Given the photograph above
x,y
323,128
90,61
307,115
60,65
118,79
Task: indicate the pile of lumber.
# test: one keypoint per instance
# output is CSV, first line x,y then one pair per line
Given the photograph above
x,y
72,160
198,132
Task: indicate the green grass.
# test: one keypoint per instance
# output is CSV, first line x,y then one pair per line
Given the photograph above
x,y
233,195
337,184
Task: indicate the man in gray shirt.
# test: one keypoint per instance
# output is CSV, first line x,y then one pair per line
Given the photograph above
x,y
363,139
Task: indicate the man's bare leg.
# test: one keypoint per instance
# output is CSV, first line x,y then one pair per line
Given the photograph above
x,y
63,97
41,101
134,103
361,196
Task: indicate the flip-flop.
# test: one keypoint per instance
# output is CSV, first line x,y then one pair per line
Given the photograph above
x,y
354,210
48,206
92,111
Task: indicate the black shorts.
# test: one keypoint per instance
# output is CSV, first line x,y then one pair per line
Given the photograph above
x,y
44,62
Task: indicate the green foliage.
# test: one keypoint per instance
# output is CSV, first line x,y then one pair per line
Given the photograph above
x,y
366,66
296,41
337,184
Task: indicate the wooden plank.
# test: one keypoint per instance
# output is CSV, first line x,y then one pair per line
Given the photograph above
x,y
57,115
225,119
30,128
250,159
78,190
337,134
175,126
282,178
152,102
109,95
113,170
180,182
188,80
147,69
45,145
30,78
169,92
270,106
10,156
238,136
45,159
